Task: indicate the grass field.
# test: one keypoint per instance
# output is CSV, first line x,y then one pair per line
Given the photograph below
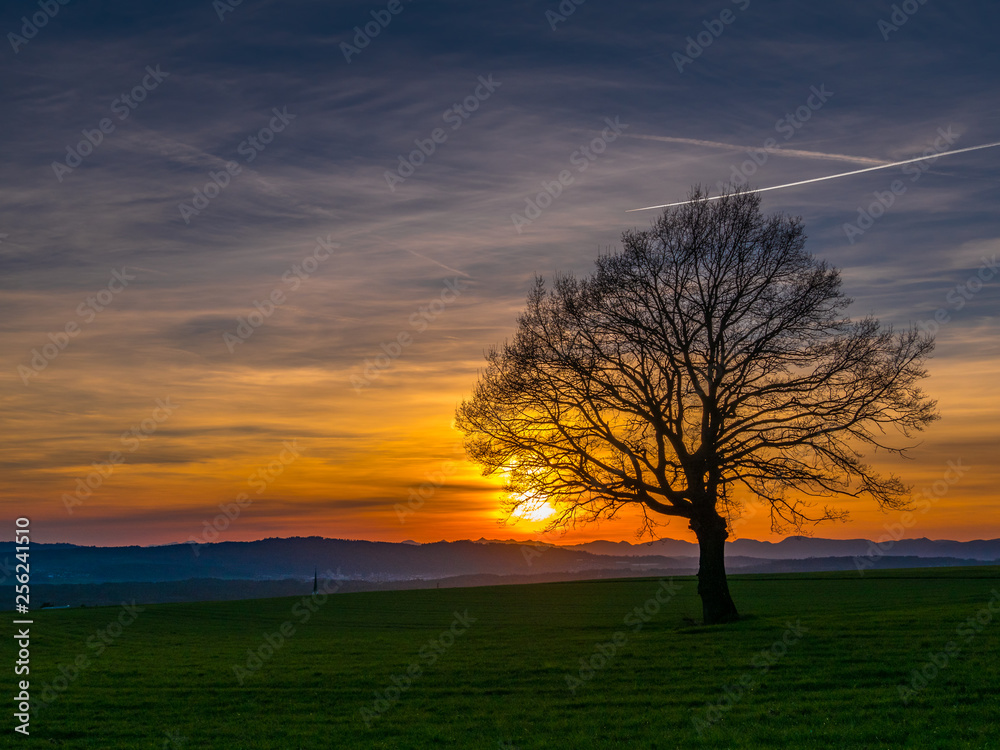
x,y
819,661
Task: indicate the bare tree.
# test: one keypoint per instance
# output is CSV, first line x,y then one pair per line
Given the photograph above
x,y
712,353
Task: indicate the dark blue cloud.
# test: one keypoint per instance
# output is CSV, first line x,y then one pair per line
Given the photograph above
x,y
694,86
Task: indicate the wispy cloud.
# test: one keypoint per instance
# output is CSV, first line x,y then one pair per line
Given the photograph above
x,y
324,176
778,151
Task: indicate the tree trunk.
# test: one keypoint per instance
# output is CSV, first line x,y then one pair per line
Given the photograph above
x,y
713,588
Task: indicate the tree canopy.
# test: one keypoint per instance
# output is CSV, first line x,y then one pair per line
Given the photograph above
x,y
712,353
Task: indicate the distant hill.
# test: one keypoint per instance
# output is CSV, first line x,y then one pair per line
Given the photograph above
x,y
297,557
67,573
803,547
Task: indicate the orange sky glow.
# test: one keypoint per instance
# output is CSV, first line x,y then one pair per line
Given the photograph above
x,y
312,457
302,335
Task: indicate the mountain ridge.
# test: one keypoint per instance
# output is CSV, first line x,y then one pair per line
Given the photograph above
x,y
275,558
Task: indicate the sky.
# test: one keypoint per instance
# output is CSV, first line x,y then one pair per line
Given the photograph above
x,y
253,252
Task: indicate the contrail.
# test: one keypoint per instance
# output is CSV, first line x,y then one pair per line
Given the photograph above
x,y
832,176
777,150
437,263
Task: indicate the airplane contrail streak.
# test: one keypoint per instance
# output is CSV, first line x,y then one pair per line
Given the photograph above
x,y
832,176
777,150
437,263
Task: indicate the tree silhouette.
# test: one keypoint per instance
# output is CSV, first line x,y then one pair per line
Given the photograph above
x,y
712,353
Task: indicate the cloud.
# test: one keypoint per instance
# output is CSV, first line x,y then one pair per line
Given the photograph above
x,y
324,176
777,151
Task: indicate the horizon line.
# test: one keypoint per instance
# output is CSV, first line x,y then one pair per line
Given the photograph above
x,y
484,540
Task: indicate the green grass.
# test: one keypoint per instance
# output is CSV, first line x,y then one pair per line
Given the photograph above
x,y
503,681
